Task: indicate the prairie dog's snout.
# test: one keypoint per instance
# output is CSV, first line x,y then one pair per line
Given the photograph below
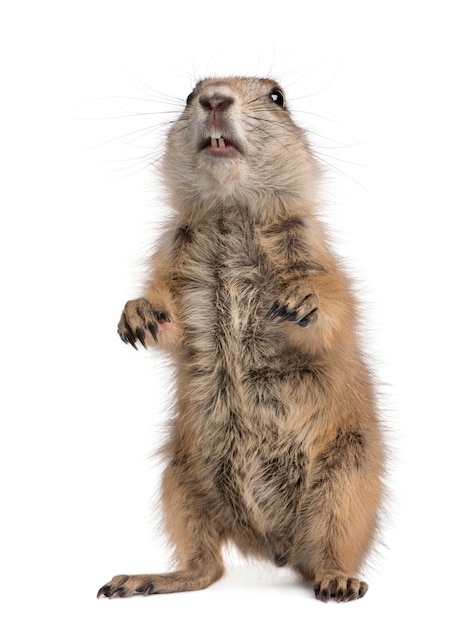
x,y
216,98
219,120
216,103
213,96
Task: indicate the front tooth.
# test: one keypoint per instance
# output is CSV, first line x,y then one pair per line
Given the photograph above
x,y
221,143
214,143
215,133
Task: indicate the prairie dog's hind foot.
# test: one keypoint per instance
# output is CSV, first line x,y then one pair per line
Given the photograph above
x,y
342,588
139,317
124,586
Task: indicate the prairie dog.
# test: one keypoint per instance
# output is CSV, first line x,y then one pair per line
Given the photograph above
x,y
275,444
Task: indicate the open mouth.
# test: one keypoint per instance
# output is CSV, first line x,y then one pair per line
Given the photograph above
x,y
220,146
219,142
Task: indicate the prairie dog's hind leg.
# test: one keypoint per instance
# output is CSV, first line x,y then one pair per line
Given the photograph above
x,y
197,541
338,520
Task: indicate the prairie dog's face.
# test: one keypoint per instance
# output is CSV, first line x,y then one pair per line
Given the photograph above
x,y
234,138
222,113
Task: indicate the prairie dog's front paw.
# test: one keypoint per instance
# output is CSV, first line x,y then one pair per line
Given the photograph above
x,y
140,317
298,304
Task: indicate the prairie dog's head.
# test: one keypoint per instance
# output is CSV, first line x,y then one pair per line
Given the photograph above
x,y
235,142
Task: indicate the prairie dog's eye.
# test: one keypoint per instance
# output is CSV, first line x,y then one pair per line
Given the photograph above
x,y
277,96
189,98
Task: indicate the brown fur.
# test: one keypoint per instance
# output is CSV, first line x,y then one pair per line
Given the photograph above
x,y
275,445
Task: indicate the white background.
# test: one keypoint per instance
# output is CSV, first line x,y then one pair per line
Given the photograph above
x,y
382,88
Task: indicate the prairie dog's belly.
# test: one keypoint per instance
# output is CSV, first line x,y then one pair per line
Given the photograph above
x,y
235,375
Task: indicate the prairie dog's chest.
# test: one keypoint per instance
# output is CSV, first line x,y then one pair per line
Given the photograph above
x,y
224,283
223,258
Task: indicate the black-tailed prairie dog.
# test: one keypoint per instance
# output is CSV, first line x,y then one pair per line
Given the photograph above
x,y
274,444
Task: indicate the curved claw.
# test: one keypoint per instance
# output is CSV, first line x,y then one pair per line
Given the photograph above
x,y
129,338
140,333
321,593
308,320
153,330
109,592
288,317
117,587
146,589
163,316
273,311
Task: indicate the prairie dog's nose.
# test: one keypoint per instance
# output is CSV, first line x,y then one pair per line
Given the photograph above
x,y
216,102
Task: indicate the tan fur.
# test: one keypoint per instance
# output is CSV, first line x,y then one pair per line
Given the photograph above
x,y
275,444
